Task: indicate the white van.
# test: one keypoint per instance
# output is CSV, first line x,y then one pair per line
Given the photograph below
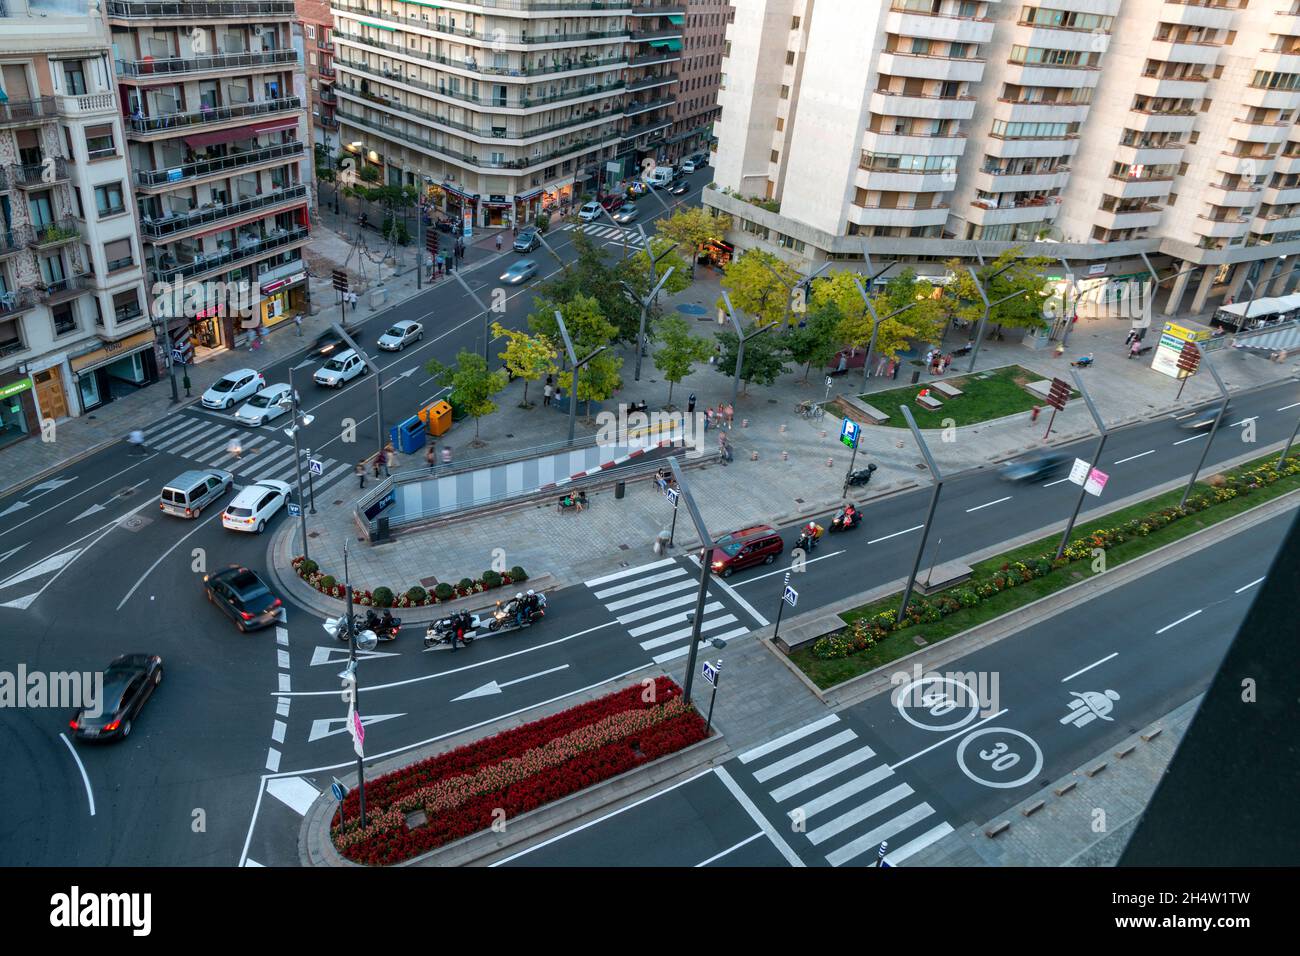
x,y
661,177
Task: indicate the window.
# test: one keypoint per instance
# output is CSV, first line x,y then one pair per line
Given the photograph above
x,y
126,306
65,320
73,78
785,92
776,156
311,30
118,255
99,141
780,124
108,199
794,23
789,57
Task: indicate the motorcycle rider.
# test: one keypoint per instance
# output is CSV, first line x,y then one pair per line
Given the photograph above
x,y
808,538
522,611
850,516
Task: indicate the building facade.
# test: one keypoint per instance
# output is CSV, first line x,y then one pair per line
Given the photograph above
x,y
74,325
317,23
217,139
504,109
697,90
1099,129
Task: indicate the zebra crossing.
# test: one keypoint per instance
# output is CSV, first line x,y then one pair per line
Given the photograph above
x,y
845,797
601,231
207,441
652,602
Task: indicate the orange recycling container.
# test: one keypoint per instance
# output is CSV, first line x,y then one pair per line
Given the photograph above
x,y
436,417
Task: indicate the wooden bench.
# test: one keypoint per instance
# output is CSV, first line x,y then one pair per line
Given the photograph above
x,y
929,401
870,412
946,390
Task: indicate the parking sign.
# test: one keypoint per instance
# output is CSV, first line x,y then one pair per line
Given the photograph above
x,y
849,432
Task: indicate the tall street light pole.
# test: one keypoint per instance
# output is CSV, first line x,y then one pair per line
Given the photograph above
x,y
299,420
1096,457
804,282
937,478
577,367
988,307
875,325
741,339
645,311
1223,391
483,309
379,374
706,544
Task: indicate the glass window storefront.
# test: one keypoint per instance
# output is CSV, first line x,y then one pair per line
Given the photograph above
x,y
13,414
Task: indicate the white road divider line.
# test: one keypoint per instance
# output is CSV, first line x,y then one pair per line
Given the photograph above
x,y
90,795
1185,617
743,799
1134,457
896,534
719,856
1184,441
1090,666
989,504
1246,587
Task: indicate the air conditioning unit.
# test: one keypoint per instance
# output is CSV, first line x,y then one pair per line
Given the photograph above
x,y
263,268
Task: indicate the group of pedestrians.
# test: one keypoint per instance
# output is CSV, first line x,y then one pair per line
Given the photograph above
x,y
721,417
937,362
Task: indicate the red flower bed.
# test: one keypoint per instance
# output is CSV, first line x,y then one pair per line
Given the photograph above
x,y
516,771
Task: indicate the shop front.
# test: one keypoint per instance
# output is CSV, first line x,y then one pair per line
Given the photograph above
x,y
115,369
18,417
558,197
528,205
497,211
462,207
284,298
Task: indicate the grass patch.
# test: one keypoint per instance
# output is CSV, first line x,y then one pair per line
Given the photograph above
x,y
985,396
826,673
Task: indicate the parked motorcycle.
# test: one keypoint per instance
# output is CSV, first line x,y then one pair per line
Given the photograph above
x,y
862,475
463,624
846,520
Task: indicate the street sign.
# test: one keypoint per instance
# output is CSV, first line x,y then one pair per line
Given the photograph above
x,y
1189,358
178,357
338,790
791,596
340,279
710,674
1079,470
672,494
850,431
358,731
315,466
1059,394
1096,482
294,510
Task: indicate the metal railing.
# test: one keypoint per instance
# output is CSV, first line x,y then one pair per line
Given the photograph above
x,y
212,114
206,64
486,132
473,66
222,164
40,109
444,27
14,240
197,9
39,174
61,288
649,81
206,263
61,230
11,303
161,228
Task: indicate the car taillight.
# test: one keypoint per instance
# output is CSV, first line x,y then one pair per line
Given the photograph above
x,y
275,603
73,725
109,728
245,615
188,513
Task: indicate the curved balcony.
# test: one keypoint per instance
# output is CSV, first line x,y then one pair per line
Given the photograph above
x,y
907,144
1172,51
925,67
1249,132
1237,196
1164,155
1052,75
1214,228
1174,88
199,9
938,26
1275,223
905,181
176,226
1194,14
569,65
1146,121
992,181
169,124
1238,165
495,38
1018,111
1277,195
150,69
191,173
1038,146
876,215
1153,187
207,263
1269,99
1144,217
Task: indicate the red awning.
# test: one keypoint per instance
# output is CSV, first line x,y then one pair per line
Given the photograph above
x,y
273,126
199,140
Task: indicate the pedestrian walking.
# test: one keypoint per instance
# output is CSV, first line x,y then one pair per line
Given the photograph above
x,y
185,381
498,242
297,323
1033,415
947,362
446,455
893,369
376,463
690,404
430,457
1134,348
730,412
360,471
390,454
724,448
708,418
136,440
1128,339
547,391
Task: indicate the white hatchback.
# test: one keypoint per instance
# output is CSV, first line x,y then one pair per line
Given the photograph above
x,y
340,370
271,402
401,335
233,387
589,212
253,507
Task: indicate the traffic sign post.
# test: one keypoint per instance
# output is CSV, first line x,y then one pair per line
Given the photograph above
x,y
788,596
712,674
1082,472
850,432
673,495
1189,360
314,467
1057,396
880,853
294,510
340,282
339,792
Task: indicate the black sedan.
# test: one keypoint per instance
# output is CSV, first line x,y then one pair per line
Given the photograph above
x,y
680,188
328,342
129,681
242,595
1038,468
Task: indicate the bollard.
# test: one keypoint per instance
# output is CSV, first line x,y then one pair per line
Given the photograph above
x,y
823,433
785,456
744,423
830,462
753,456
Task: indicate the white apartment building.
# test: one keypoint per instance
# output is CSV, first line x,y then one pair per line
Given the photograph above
x,y
74,329
505,107
1097,129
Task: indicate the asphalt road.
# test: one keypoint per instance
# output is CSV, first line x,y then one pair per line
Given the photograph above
x,y
911,766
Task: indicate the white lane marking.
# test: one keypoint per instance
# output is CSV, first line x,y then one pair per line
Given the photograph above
x,y
197,527
1185,617
762,621
859,813
685,632
282,707
592,823
759,577
640,582
1288,407
44,566
1056,482
282,659
1252,418
1246,587
1090,666
653,595
869,841
671,619
272,760
719,856
253,863
282,636
682,651
277,731
822,774
895,857
800,757
294,792
799,733
896,534
494,687
78,494
325,727
1132,457
959,733
683,601
743,799
284,684
811,808
988,504
1184,441
90,795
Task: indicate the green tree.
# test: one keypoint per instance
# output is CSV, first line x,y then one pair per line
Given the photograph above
x,y
755,290
588,329
961,298
591,276
679,351
817,339
636,271
472,385
691,228
765,356
526,356
923,322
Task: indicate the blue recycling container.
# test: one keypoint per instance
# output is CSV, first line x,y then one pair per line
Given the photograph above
x,y
409,436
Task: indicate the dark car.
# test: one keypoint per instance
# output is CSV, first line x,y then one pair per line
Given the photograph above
x,y
1038,468
527,240
612,203
242,595
680,188
328,342
758,544
129,681
1203,419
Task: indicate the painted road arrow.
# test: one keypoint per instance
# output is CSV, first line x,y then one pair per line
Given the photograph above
x,y
53,563
9,554
326,728
43,488
96,509
321,655
492,687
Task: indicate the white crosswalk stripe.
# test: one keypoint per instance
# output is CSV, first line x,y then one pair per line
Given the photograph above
x,y
208,441
844,796
653,602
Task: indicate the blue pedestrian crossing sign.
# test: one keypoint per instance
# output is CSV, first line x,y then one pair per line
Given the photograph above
x,y
791,596
294,510
850,431
338,791
710,673
315,466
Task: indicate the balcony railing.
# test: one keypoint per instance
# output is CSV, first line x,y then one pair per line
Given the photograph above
x,y
162,228
649,81
11,303
445,28
634,108
38,110
90,103
213,114
329,122
206,263
473,66
197,9
488,132
206,64
14,240
4,181
646,129
222,164
66,288
54,233
663,56
664,33
45,173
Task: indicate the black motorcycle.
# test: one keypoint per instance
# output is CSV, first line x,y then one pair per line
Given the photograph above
x,y
806,542
385,627
462,624
862,475
845,521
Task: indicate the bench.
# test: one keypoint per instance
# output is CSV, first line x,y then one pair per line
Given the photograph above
x,y
1040,388
930,402
946,390
872,414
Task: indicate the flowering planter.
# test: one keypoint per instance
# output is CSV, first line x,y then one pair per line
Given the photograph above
x,y
412,597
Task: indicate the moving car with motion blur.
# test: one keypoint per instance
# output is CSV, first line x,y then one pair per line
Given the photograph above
x,y
271,402
1036,468
519,271
243,597
589,211
1204,418
129,681
400,335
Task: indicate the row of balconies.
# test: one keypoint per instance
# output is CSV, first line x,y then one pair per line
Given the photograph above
x,y
493,37
169,268
50,235
150,68
205,170
173,10
567,65
40,175
176,225
164,125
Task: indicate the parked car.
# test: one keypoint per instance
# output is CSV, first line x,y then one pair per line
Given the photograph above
x,y
190,492
243,597
520,271
129,681
233,387
589,212
340,370
1036,468
628,213
757,544
400,335
329,342
271,402
527,240
257,504
695,162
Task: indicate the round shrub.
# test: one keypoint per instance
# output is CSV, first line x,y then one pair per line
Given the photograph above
x,y
382,597
444,592
307,567
465,584
517,573
417,595
491,579
327,583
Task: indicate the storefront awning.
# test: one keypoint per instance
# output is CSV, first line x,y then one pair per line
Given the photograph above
x,y
456,191
524,197
673,44
112,352
676,19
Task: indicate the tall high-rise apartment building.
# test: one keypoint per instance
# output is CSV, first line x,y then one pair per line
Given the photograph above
x,y
317,26
74,325
918,129
508,106
701,69
217,141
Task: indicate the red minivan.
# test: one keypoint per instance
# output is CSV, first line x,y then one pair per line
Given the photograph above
x,y
758,544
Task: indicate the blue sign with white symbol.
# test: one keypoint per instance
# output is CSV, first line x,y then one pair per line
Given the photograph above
x,y
338,790
850,432
791,596
710,673
294,510
315,466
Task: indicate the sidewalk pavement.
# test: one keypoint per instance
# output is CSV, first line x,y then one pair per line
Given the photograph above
x,y
379,285
785,468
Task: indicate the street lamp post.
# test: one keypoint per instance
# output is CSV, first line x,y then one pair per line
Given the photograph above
x,y
483,309
988,307
706,544
1083,490
645,309
741,338
875,325
577,367
1214,428
297,457
804,282
937,478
